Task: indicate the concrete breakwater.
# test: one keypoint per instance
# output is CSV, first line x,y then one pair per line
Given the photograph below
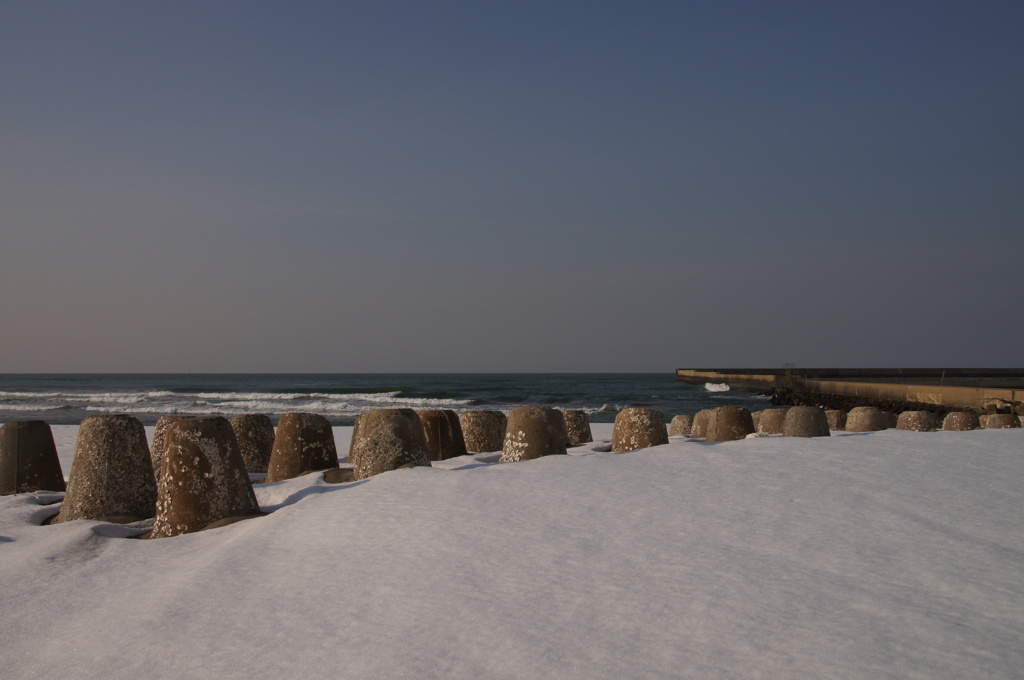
x,y
939,390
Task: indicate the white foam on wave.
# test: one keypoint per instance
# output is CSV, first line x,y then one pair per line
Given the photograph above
x,y
605,408
163,401
413,402
116,397
30,395
280,396
112,398
167,409
231,407
717,387
335,402
324,408
37,407
394,397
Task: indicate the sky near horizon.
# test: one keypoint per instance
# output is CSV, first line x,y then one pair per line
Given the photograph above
x,y
501,187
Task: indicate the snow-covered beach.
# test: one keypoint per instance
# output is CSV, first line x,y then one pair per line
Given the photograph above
x,y
887,554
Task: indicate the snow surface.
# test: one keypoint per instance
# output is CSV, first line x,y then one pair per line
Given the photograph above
x,y
880,555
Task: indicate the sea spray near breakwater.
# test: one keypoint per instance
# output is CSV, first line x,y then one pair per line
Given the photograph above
x,y
68,398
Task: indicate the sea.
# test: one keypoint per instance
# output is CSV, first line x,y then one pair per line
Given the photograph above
x,y
65,399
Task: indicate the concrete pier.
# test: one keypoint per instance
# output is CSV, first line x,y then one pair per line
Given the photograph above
x,y
978,389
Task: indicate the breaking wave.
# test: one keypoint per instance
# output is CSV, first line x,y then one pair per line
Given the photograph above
x,y
69,398
163,402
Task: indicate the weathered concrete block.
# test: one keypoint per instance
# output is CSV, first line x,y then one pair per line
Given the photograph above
x,y
254,433
638,428
729,423
866,419
577,426
533,432
204,480
355,427
680,425
564,428
111,474
156,452
917,421
484,431
339,475
304,442
960,421
387,439
770,421
699,428
28,458
983,420
836,419
443,433
805,421
998,421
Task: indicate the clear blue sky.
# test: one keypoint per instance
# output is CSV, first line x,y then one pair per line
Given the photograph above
x,y
513,186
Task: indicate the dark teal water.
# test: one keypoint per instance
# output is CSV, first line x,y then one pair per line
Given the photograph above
x,y
68,398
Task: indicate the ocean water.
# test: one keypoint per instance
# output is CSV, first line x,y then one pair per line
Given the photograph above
x,y
65,399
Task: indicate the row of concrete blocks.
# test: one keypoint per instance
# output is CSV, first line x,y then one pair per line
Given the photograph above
x,y
196,474
729,423
203,472
733,422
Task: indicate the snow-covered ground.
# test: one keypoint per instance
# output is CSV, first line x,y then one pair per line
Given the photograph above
x,y
883,555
